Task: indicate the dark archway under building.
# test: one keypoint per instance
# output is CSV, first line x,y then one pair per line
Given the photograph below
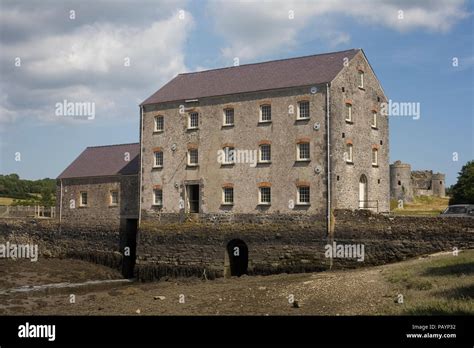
x,y
128,247
236,258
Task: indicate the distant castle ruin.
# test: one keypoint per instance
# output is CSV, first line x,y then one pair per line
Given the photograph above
x,y
406,184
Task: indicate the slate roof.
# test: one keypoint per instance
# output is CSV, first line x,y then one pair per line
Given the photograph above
x,y
104,161
284,73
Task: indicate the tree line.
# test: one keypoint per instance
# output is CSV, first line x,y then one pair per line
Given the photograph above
x,y
28,192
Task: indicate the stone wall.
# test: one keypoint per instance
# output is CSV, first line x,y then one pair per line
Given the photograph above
x,y
363,137
284,131
293,245
99,243
99,207
276,243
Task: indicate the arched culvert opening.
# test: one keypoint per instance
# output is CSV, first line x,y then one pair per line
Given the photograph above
x,y
236,258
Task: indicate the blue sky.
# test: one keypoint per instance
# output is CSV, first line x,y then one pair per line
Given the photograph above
x,y
81,59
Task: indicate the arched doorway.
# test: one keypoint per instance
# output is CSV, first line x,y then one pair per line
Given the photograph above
x,y
363,195
236,258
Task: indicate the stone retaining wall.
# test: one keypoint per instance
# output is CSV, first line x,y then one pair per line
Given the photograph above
x,y
275,243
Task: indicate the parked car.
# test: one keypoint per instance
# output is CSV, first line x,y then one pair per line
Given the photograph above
x,y
459,210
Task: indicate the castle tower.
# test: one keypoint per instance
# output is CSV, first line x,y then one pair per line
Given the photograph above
x,y
400,182
438,184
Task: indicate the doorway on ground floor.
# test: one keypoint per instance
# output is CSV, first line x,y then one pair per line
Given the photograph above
x,y
192,194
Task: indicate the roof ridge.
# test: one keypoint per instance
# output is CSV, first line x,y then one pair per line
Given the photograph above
x,y
268,61
89,147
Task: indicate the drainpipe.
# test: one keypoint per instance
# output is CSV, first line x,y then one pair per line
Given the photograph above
x,y
141,169
60,201
328,159
328,150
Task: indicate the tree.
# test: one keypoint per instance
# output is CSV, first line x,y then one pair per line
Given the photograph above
x,y
463,191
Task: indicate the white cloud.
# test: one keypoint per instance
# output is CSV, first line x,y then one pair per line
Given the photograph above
x,y
88,63
252,29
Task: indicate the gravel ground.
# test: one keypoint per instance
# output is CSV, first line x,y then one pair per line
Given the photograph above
x,y
353,292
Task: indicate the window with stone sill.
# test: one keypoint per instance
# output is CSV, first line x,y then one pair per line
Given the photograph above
x,y
228,117
193,157
265,196
83,199
348,112
265,113
302,152
114,197
159,124
265,153
228,195
348,153
303,195
158,197
158,159
193,120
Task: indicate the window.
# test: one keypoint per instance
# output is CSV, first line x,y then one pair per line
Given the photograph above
x,y
265,153
158,159
303,195
349,153
159,123
348,112
228,195
265,196
83,201
228,117
114,197
375,157
361,79
158,197
265,113
193,120
374,119
303,110
193,157
303,152
399,182
229,155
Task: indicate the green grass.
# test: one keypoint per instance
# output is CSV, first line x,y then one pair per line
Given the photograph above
x,y
6,201
436,285
421,205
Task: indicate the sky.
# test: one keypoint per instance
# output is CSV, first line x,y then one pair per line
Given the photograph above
x,y
115,54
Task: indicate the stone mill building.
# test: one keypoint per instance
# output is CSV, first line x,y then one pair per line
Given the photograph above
x,y
284,142
297,135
